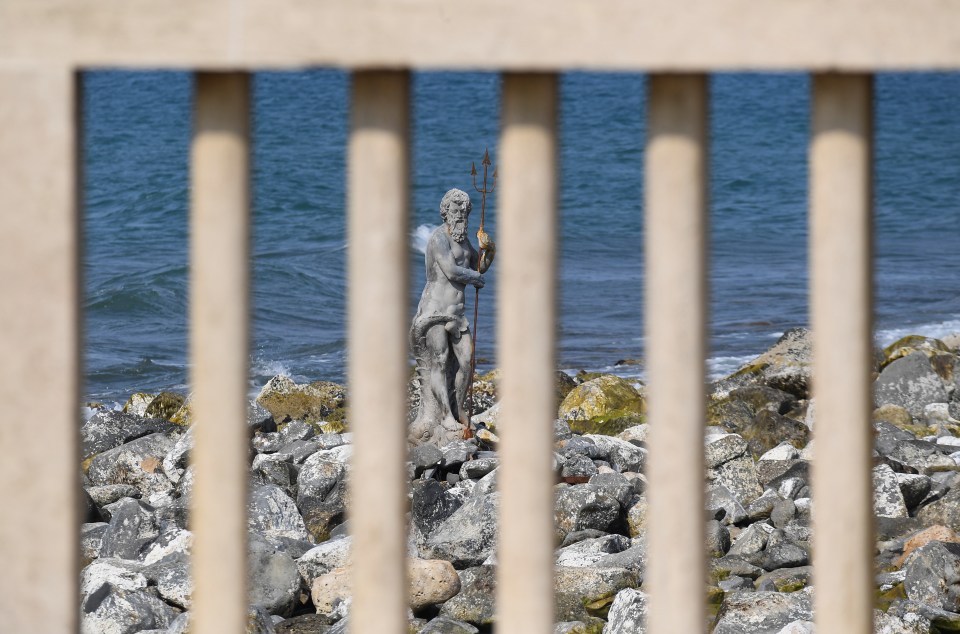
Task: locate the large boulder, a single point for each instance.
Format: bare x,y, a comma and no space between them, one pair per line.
762,612
583,507
272,577
606,405
475,601
910,382
628,614
728,464
786,366
133,526
324,558
171,576
137,463
582,593
933,576
110,610
322,494
274,516
320,403
109,428
469,536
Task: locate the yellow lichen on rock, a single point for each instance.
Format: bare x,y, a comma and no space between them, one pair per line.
607,405
320,401
165,405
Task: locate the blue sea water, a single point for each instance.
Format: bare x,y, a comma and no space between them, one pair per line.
136,131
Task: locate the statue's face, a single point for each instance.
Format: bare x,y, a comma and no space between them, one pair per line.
457,215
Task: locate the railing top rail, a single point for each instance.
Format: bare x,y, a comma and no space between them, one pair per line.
651,35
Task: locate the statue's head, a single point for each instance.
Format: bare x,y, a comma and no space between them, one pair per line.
455,210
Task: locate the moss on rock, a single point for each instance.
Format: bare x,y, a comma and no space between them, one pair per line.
312,403
606,405
165,405
912,343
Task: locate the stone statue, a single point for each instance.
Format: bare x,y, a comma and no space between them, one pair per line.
440,335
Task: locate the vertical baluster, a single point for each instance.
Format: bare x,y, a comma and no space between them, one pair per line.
676,295
527,273
219,336
378,366
841,317
40,360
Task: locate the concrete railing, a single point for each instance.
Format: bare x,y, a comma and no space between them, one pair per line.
44,44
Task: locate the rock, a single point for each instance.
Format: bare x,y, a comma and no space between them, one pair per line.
887,497
172,540
273,580
924,537
588,592
91,540
110,610
446,625
762,507
729,566
469,535
607,405
781,552
137,403
724,505
911,383
945,511
785,579
321,496
109,428
475,601
120,574
319,403
721,448
577,468
616,485
783,451
628,613
274,516
783,512
275,469
476,469
622,455
582,507
933,576
750,543
171,576
762,612
914,488
589,551
718,539
431,504
739,476
905,346
769,429
132,527
593,626
786,366
454,454
890,622
324,558
303,624
175,462
798,627
109,493
431,582
331,593
137,463
164,405
425,457
637,517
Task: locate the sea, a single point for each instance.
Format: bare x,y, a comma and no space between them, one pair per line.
136,136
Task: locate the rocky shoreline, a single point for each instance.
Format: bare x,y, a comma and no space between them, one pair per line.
135,541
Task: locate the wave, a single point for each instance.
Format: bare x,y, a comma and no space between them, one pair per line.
937,330
420,236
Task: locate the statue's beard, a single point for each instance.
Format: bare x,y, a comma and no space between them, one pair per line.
458,231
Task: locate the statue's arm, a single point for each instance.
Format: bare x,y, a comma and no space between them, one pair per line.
448,265
482,261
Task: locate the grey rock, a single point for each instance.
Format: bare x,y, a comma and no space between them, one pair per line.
446,625
266,443
431,504
273,579
751,541
628,614
171,540
321,494
454,454
730,565
721,448
785,579
581,445
132,527
933,576
110,610
762,507
425,457
578,466
171,576
782,452
576,589
739,476
615,485
784,554
324,558
110,493
900,619
721,501
476,469
175,462
259,419
762,612
887,497
475,601
633,559
770,470
735,583
91,539
910,382
119,574
109,428
590,551
783,512
276,469
469,535
622,455
300,450
786,366
945,511
914,488
718,539
582,507
274,516
304,624
137,463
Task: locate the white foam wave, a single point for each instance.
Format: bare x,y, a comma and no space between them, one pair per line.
263,367
937,330
719,367
420,236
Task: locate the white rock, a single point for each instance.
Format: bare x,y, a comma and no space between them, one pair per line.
120,573
798,627
321,559
783,451
887,497
628,613
170,541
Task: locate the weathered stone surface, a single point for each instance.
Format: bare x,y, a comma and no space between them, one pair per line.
172,539
933,576
304,624
274,516
475,601
739,476
718,539
323,558
769,429
589,551
137,463
320,401
762,612
175,462
924,537
628,613
110,493
887,498
109,428
914,488
722,503
476,469
469,535
121,574
582,507
785,579
321,495
622,455
171,576
607,405
910,382
786,366
272,578
783,512
908,622
721,448
132,526
91,539
431,582
783,451
945,511
588,592
431,504
798,627
331,593
110,610
446,625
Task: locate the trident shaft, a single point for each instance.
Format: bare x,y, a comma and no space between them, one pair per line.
476,302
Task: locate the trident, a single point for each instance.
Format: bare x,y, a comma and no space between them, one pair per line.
467,432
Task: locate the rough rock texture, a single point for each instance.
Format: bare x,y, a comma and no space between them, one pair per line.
628,613
933,576
605,405
588,592
110,610
469,535
583,507
786,366
273,578
321,496
137,463
315,403
475,601
762,612
911,383
109,428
